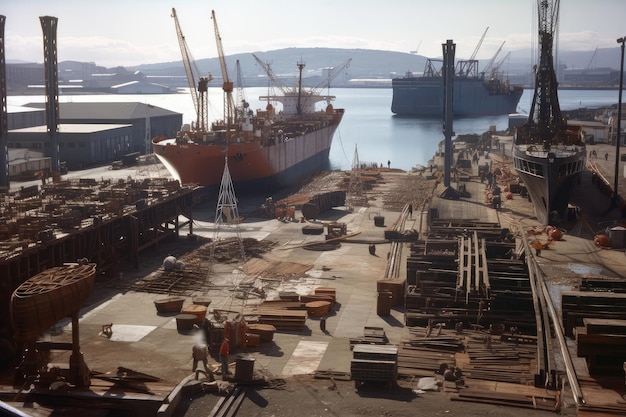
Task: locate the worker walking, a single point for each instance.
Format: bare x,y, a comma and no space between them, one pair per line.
200,352
224,351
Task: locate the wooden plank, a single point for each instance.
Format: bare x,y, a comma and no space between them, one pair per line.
604,326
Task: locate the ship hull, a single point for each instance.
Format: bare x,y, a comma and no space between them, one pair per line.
48,297
250,163
423,97
549,179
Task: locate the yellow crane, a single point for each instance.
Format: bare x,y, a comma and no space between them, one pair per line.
199,91
227,85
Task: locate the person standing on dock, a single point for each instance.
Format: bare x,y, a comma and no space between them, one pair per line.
224,351
200,352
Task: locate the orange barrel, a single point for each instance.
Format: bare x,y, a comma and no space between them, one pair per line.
199,311
185,322
317,308
244,368
383,304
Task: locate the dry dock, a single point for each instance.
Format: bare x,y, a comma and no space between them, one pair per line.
144,341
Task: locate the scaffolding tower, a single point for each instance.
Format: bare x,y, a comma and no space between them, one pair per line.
227,215
355,195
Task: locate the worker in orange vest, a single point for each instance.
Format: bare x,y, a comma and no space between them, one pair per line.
224,351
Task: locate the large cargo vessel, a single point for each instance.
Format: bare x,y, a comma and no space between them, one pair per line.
268,148
549,154
474,92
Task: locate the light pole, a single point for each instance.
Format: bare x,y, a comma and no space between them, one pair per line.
619,123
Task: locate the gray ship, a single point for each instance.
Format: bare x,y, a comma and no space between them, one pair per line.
549,154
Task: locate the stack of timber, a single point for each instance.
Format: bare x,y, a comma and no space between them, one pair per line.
577,305
372,336
327,292
602,342
604,284
532,400
283,315
469,278
378,363
424,352
504,358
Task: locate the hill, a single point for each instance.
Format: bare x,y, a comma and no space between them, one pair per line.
366,63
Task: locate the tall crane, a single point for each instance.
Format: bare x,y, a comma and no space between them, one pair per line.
332,74
489,67
227,85
271,75
241,96
593,57
496,67
199,92
470,66
544,109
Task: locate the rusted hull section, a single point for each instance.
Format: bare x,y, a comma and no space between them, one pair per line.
48,297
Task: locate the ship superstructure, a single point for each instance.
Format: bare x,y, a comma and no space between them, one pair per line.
549,154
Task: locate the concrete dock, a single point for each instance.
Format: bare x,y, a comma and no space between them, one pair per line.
150,343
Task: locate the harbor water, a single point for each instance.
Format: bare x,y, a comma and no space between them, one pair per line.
368,125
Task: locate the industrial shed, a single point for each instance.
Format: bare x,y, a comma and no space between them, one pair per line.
596,132
80,145
147,121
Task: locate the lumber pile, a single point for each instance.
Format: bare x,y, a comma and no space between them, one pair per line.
497,359
372,336
578,305
283,315
378,363
546,402
602,342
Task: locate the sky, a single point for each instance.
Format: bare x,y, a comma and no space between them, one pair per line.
134,32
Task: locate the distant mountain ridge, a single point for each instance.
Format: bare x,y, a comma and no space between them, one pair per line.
368,63
368,67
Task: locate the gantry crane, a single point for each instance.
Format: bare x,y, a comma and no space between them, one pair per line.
271,75
199,92
496,67
469,67
489,67
332,74
242,103
227,85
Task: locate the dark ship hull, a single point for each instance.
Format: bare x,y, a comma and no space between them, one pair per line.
423,96
549,154
549,177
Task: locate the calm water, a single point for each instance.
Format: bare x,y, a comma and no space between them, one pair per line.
368,125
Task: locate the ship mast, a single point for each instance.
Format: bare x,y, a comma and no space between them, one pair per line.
545,117
299,105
